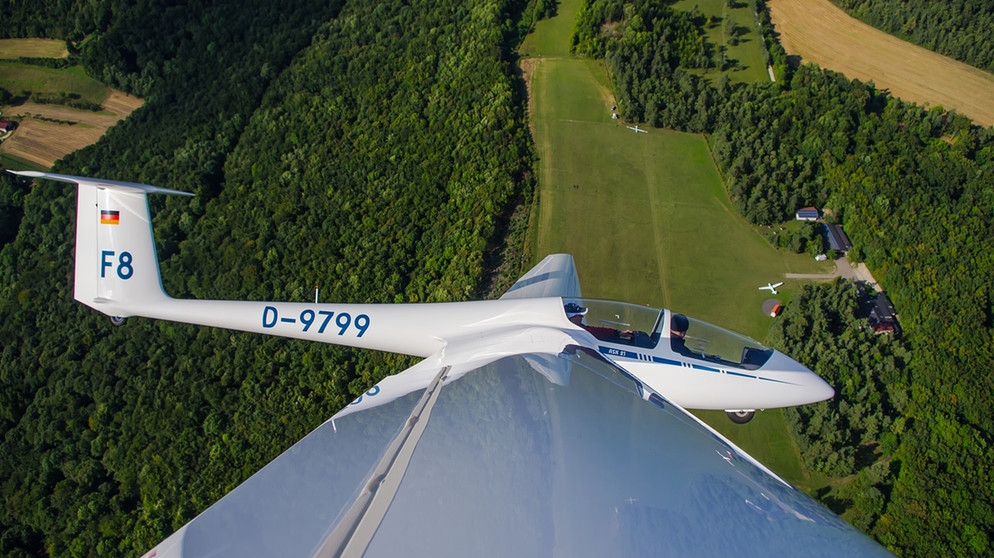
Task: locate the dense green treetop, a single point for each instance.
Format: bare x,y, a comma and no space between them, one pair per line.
371,149
854,435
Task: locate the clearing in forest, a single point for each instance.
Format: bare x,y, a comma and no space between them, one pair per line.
47,132
820,32
734,29
647,220
646,216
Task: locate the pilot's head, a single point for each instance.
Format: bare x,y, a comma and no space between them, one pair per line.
678,325
575,312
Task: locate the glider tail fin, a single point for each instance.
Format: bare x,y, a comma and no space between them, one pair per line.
117,270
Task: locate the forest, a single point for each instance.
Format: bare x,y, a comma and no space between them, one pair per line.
379,160
913,190
379,150
854,435
960,29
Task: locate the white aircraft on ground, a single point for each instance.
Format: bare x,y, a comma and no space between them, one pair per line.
772,287
637,130
518,434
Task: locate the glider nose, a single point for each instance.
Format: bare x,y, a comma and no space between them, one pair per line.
807,387
820,390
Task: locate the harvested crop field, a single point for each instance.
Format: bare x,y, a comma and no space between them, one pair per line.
820,32
49,132
32,48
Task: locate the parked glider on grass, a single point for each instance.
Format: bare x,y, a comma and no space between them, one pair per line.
520,433
772,287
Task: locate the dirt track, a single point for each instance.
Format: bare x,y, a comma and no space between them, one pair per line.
49,132
822,33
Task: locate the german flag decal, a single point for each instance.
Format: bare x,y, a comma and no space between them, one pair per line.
110,217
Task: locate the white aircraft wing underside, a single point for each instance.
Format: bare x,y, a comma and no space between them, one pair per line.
528,455
553,276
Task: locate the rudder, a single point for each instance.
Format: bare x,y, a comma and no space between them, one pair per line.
116,270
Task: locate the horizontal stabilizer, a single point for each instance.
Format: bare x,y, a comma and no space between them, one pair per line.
102,183
553,276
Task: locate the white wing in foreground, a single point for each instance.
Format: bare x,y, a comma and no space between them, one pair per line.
510,463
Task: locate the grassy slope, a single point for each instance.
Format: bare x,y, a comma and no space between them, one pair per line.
646,217
21,78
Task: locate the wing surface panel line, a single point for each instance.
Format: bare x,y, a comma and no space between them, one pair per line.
354,533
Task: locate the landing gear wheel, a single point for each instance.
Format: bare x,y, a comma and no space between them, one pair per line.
740,417
117,321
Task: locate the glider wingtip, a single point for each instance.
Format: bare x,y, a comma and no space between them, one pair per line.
28,173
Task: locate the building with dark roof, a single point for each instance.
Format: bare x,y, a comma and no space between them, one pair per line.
883,316
837,239
807,214
883,310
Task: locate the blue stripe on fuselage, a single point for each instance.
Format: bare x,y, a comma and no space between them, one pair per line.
635,355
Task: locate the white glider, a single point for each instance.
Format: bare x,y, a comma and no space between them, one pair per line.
772,287
528,429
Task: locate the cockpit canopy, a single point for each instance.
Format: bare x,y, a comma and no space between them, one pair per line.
644,326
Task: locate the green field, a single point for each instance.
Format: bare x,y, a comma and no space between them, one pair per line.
748,52
551,36
21,79
647,220
11,162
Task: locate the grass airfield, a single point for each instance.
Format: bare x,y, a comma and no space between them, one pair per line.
646,218
645,215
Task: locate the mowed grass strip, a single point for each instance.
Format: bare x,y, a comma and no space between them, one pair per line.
644,214
822,33
551,37
32,48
